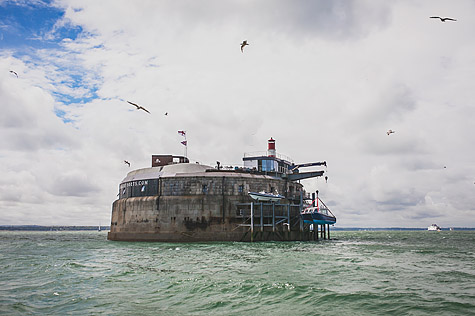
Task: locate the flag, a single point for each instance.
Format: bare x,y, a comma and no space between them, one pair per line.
182,133
184,142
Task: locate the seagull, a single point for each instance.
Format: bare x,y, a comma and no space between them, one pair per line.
390,132
166,113
442,19
127,163
139,107
14,73
244,43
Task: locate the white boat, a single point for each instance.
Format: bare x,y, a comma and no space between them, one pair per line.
433,227
264,196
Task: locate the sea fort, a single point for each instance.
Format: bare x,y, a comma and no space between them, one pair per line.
178,201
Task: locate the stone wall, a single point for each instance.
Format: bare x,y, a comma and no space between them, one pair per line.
190,209
226,185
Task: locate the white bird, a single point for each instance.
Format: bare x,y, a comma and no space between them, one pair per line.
244,43
390,132
442,19
139,107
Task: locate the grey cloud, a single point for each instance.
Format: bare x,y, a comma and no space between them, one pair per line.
328,19
388,103
382,145
416,164
399,201
334,20
418,215
72,184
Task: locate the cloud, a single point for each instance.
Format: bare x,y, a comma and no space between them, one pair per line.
73,183
326,79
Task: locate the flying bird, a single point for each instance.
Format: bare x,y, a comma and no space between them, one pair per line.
14,73
139,107
127,163
442,19
390,132
244,43
166,113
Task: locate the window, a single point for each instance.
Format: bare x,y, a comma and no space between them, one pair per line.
241,188
268,165
205,188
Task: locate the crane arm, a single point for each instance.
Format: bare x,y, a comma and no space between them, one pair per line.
310,164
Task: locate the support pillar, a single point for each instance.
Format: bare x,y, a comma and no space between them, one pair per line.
273,217
262,218
300,211
288,215
252,221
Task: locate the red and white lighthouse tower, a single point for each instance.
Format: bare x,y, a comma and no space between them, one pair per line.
271,148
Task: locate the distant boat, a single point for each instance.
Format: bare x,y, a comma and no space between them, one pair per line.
99,228
433,227
264,196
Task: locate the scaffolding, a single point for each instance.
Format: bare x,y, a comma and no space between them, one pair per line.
277,222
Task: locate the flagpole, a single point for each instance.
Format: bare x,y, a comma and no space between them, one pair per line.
184,143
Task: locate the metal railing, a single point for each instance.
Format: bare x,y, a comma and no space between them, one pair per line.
266,154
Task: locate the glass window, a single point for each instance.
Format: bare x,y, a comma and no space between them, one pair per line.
268,165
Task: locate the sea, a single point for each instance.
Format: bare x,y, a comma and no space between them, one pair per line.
354,273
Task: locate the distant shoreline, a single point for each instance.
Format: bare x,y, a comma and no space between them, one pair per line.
394,228
51,228
85,227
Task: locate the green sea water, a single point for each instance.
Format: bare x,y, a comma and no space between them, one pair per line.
355,273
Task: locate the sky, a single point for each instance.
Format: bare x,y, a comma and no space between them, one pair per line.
325,79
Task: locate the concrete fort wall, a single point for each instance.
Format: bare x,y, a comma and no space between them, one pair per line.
222,184
191,208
